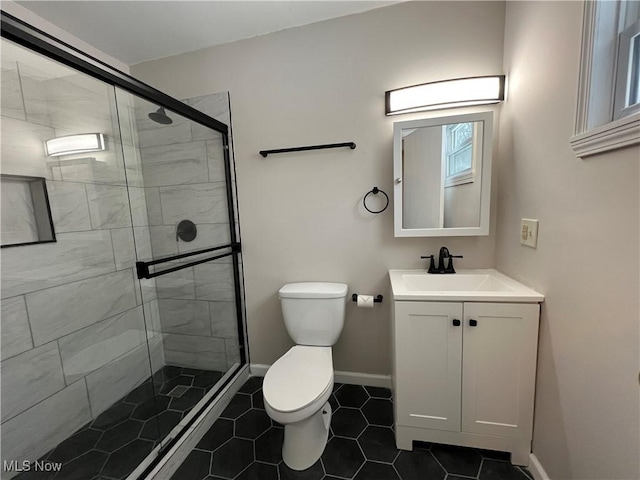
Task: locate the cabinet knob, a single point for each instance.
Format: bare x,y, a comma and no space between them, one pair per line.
473,323
456,322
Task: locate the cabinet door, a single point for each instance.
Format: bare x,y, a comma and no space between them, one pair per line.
428,350
499,364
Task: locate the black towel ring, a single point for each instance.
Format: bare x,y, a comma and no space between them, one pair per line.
375,191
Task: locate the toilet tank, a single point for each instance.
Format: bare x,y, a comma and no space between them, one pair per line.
313,312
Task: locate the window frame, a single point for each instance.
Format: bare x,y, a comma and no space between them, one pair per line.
623,65
612,134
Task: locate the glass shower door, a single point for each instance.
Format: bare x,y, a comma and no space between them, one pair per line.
75,342
186,253
122,320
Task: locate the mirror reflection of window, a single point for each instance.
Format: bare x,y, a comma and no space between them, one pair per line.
459,148
458,153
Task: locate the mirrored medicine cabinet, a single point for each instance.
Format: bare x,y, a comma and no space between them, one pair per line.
442,172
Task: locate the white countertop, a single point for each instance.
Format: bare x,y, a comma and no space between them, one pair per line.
486,285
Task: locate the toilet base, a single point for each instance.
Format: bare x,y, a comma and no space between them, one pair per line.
304,441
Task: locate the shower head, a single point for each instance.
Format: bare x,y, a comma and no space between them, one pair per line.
159,116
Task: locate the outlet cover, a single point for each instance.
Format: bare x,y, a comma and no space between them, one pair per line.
529,232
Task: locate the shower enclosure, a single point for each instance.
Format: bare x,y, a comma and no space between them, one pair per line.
121,286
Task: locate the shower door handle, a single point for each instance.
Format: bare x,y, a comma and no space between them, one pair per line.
142,268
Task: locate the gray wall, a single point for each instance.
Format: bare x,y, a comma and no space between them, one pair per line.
302,215
73,331
422,178
461,205
587,262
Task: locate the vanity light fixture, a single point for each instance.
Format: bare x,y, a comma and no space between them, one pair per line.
459,92
70,144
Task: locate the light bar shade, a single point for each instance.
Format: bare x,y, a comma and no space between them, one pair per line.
460,92
85,142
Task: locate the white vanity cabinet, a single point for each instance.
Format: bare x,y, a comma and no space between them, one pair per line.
464,374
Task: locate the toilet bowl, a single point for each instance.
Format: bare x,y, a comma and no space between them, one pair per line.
296,391
298,385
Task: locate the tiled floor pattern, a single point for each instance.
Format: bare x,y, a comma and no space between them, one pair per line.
245,444
112,445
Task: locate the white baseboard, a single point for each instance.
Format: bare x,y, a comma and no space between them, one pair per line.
366,379
258,370
535,467
351,378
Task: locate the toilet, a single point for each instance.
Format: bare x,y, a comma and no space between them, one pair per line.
298,385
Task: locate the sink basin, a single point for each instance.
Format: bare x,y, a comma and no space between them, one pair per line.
460,282
466,285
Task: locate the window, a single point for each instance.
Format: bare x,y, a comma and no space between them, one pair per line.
459,148
627,89
458,153
608,115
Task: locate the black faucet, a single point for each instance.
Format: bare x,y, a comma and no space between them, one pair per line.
444,254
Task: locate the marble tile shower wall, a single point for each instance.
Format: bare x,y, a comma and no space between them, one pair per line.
183,169
73,330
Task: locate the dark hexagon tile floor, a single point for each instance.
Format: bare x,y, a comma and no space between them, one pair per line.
244,444
114,443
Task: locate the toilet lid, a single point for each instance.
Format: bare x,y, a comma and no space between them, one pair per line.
298,378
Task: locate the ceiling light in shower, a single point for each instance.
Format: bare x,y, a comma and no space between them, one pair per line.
70,144
160,116
460,92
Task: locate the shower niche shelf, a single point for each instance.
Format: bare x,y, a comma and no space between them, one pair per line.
26,213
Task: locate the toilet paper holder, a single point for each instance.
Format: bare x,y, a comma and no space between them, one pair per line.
376,299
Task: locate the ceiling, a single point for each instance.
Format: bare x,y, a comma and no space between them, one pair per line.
137,31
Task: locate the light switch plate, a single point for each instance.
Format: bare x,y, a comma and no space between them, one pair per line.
529,232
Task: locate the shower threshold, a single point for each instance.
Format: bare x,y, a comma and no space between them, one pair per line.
113,444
